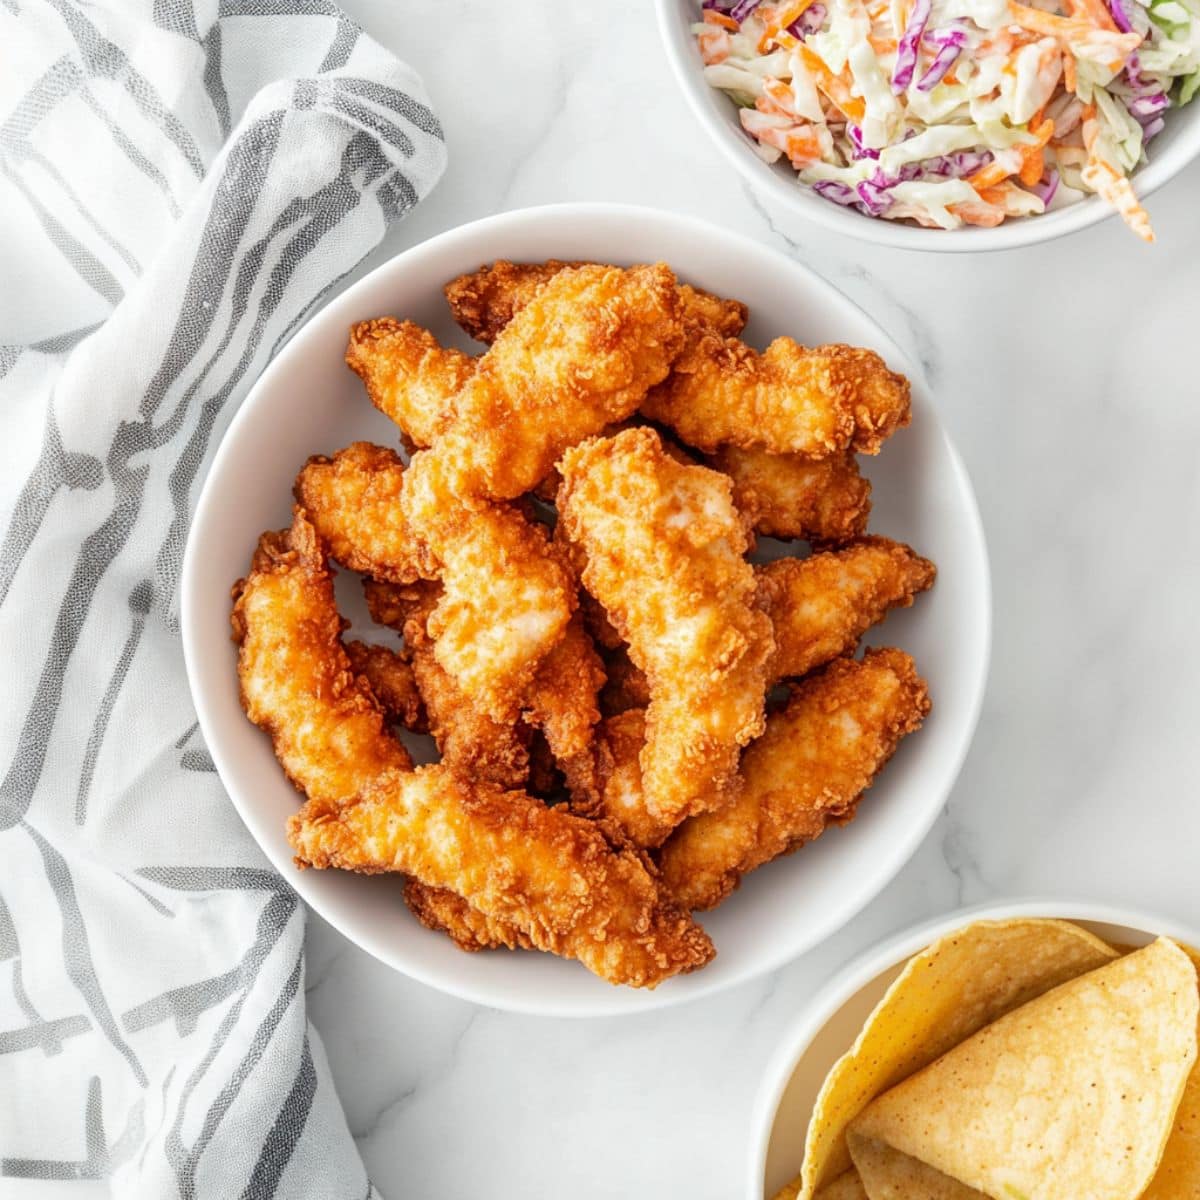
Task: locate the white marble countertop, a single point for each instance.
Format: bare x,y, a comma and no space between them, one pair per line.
1076,408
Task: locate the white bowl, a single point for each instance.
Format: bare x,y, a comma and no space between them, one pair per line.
308,402
833,1019
1169,153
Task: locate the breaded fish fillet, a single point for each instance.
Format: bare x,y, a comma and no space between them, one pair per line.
789,399
353,500
786,496
549,874
392,682
408,375
484,301
820,606
471,742
663,546
810,769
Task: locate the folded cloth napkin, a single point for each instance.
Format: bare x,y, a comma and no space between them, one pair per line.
181,181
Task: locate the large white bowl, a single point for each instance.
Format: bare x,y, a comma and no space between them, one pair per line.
831,1021
308,402
1169,153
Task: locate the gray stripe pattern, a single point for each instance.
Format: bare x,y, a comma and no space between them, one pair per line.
173,259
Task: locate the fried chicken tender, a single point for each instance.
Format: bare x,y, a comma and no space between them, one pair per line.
296,680
785,496
408,375
789,399
353,500
392,683
663,546
578,357
809,770
484,301
820,606
551,875
447,912
472,744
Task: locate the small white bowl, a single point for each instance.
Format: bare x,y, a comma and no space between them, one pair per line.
833,1019
1169,153
308,402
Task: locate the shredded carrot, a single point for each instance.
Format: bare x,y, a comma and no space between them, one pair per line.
714,46
971,213
776,98
1031,158
1106,181
777,21
724,20
833,86
883,45
1070,79
1048,25
1094,11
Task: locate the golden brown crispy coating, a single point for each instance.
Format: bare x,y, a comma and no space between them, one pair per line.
785,496
392,683
789,399
353,500
579,356
471,742
820,606
296,680
626,687
621,798
664,547
447,912
484,301
810,769
548,873
409,376
562,703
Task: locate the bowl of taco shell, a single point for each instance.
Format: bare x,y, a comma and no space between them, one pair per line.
1018,1053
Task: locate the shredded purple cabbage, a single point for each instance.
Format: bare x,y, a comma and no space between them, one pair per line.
742,9
1046,187
1147,106
1153,129
873,198
809,21
722,6
950,42
839,193
959,164
910,44
856,140
1120,15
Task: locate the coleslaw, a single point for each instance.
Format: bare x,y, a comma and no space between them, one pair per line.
956,112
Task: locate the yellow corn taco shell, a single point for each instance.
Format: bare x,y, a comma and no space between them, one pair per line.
886,1174
1073,1095
945,994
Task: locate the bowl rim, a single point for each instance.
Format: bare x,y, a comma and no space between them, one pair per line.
1011,235
640,1000
893,949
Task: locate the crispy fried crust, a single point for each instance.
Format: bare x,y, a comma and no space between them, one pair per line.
471,742
789,399
547,873
392,683
785,496
296,681
483,302
578,357
820,606
408,375
663,546
808,770
353,501
553,876
447,912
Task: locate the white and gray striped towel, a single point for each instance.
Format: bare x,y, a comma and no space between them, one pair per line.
180,182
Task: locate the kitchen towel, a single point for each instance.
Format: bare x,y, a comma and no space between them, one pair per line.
180,184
